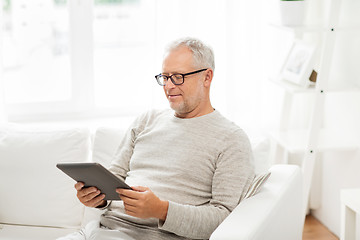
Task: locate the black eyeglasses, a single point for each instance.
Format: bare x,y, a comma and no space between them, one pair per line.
176,79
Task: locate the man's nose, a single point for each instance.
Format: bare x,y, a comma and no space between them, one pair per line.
169,84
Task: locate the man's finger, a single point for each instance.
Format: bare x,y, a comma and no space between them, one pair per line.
91,196
79,186
128,193
129,201
140,188
98,200
130,208
87,191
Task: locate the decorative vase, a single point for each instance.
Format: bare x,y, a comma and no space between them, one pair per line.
292,13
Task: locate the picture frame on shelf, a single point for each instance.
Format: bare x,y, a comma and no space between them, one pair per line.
299,64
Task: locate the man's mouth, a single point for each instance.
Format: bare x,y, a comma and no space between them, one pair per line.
172,96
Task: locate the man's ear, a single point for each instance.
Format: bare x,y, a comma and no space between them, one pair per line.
208,77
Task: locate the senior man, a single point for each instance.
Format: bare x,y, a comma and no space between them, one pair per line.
189,167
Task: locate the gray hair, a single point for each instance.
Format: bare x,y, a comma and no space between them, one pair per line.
203,55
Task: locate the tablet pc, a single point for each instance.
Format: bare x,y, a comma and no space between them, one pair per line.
94,175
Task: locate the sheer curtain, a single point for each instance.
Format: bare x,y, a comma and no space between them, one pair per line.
3,116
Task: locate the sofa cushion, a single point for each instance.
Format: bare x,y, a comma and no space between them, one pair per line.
17,232
106,142
37,193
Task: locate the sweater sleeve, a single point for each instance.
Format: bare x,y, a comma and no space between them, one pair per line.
231,180
120,163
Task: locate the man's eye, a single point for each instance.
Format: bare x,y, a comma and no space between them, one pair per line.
178,77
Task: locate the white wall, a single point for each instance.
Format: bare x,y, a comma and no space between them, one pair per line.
339,170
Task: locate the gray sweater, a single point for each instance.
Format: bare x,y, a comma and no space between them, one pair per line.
202,166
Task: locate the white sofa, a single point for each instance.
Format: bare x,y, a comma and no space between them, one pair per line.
38,201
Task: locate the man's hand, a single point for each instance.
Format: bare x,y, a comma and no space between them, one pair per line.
141,202
90,197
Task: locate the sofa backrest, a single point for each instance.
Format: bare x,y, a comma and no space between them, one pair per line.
33,191
106,142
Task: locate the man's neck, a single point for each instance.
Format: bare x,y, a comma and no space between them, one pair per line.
195,113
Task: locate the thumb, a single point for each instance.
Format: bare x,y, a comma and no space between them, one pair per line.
140,188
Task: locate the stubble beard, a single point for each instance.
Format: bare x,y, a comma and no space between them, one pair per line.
187,105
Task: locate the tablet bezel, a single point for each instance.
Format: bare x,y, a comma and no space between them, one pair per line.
94,175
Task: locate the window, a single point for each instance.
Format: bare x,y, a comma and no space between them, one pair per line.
83,58
35,51
64,57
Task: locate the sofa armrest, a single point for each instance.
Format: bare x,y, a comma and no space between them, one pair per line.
273,213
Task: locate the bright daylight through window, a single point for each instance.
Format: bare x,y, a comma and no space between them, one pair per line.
65,59
63,56
35,51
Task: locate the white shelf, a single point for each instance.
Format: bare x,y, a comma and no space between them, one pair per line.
295,141
291,87
340,86
303,29
336,87
339,138
346,28
317,28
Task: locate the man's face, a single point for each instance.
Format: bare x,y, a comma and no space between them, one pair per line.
190,96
